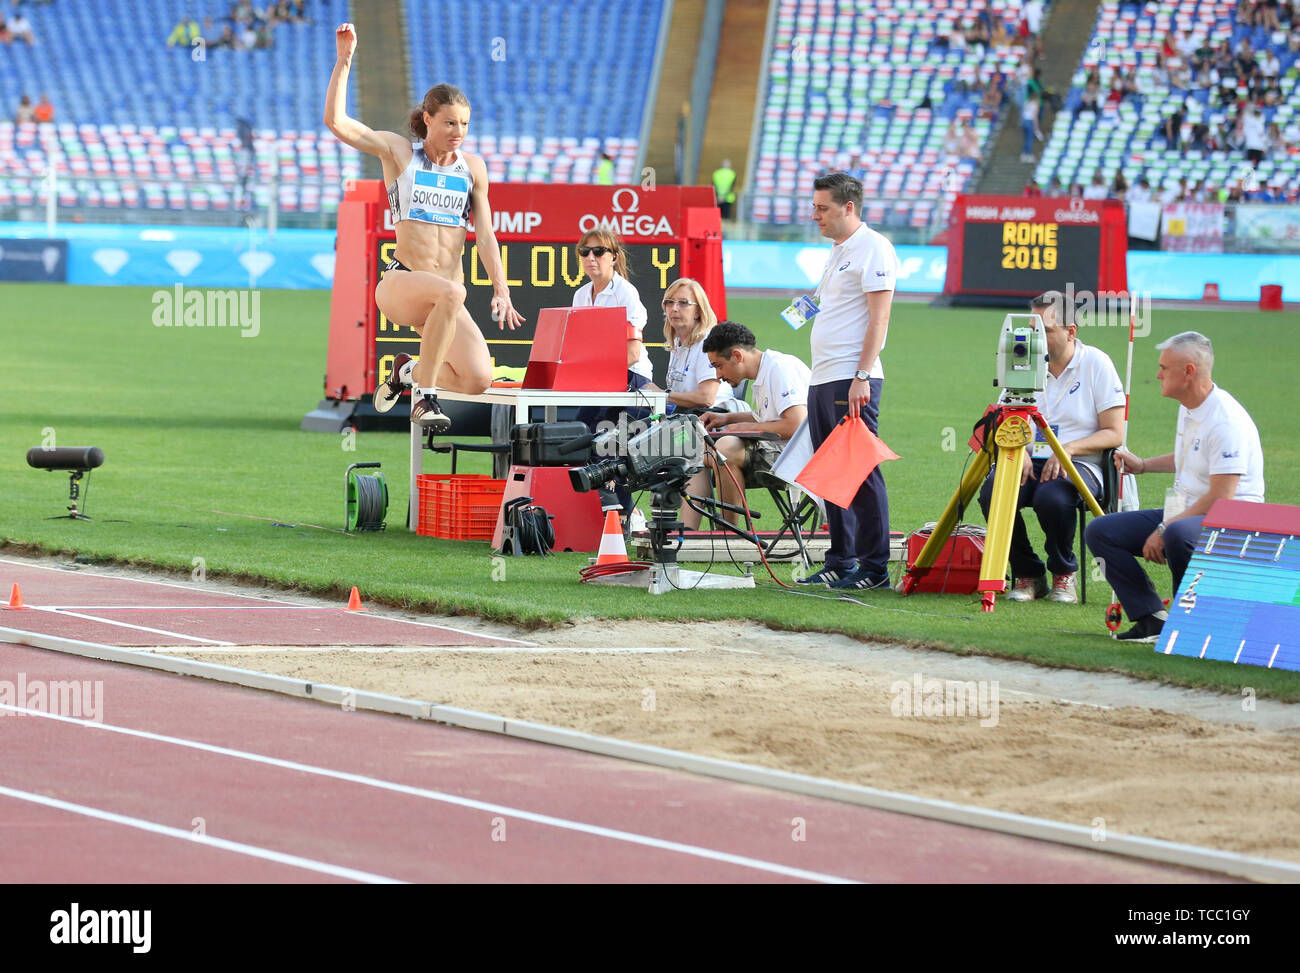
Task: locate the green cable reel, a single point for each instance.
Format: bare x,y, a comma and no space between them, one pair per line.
365,499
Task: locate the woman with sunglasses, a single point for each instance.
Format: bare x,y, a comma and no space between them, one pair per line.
692,381
434,189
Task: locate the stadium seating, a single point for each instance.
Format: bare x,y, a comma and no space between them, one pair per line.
547,116
874,92
132,114
1130,138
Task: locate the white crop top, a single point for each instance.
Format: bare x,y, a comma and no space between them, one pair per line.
431,193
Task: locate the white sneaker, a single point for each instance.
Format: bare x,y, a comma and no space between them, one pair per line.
1063,589
1028,589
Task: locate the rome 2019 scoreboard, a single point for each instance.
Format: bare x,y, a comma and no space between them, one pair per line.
1013,246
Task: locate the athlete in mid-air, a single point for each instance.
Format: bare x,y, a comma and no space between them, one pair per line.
434,190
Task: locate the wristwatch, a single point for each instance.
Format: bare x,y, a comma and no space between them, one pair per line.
1160,528
862,375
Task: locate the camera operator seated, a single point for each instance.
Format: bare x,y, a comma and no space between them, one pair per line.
780,394
1083,402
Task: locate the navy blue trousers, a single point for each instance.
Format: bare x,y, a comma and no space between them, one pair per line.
1116,540
1057,504
859,534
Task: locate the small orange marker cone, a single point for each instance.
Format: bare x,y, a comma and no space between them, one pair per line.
354,601
16,597
612,549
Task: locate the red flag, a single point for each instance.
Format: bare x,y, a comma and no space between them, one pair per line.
844,461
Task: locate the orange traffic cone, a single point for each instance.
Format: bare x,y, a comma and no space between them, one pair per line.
16,597
354,601
612,549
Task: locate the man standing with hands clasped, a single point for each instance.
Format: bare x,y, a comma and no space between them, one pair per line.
850,316
1217,454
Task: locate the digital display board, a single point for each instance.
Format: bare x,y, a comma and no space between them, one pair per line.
539,275
1016,246
1028,257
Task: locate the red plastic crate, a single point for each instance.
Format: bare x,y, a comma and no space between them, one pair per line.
459,507
957,568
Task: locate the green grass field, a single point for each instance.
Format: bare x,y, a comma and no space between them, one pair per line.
206,468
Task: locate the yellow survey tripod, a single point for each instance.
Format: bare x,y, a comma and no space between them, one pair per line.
1006,432
1005,448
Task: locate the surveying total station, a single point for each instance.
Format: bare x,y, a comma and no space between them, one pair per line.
1007,430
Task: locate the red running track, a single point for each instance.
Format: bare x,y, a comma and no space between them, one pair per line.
363,796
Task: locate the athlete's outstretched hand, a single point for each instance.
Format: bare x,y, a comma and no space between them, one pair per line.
345,39
503,312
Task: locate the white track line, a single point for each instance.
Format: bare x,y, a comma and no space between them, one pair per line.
397,649
137,628
439,796
112,577
253,851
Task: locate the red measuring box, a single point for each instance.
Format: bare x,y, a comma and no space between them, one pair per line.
956,571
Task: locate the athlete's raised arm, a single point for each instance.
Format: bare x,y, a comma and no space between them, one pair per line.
385,145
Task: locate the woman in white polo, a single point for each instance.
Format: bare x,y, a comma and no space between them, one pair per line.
692,382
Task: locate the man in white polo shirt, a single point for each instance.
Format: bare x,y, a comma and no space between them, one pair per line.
848,334
1217,454
1083,401
780,394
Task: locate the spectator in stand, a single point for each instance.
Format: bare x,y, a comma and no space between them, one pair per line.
1252,130
1097,188
1174,129
24,114
1247,66
1076,190
1091,92
1032,11
969,141
1266,15
185,31
1179,76
44,111
952,139
1116,93
1186,46
227,39
6,38
1168,49
1246,11
1029,127
1270,68
1119,188
1054,187
248,37
1032,190
21,27
1201,138
1141,191
1277,147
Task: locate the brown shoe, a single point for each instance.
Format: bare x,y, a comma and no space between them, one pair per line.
427,415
